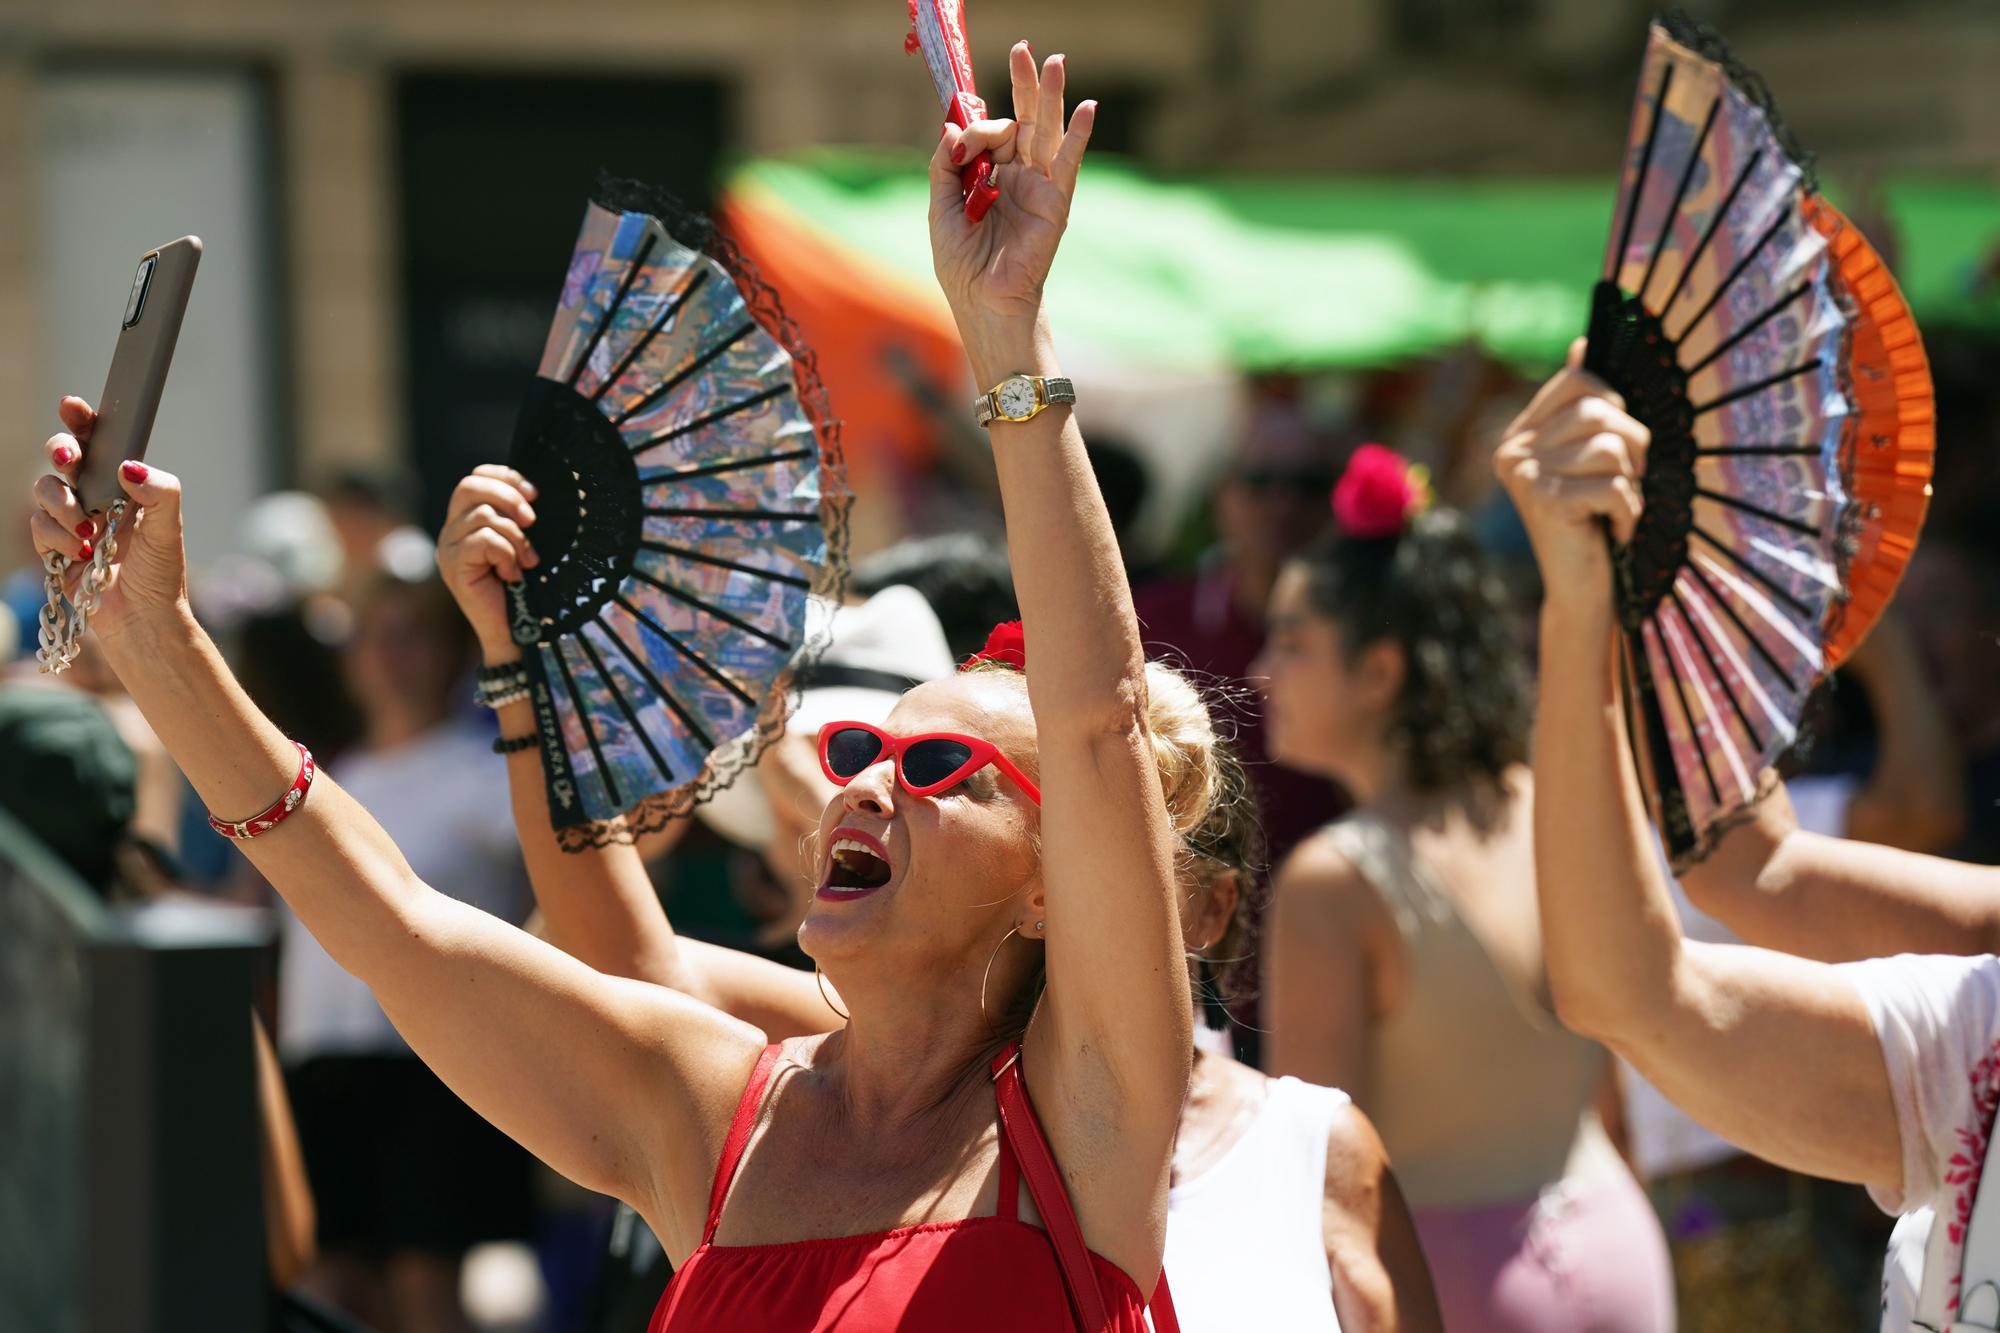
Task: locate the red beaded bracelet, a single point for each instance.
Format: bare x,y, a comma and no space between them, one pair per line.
294,797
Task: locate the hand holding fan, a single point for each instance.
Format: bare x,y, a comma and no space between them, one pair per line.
678,440
1752,331
938,30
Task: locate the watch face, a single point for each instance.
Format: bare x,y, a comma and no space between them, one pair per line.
1017,399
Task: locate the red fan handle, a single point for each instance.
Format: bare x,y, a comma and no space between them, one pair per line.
977,178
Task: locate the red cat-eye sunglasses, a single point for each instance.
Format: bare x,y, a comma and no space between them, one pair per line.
925,765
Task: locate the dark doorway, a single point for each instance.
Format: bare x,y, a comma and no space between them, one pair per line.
495,172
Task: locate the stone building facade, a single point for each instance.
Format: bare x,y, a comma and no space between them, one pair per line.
1369,86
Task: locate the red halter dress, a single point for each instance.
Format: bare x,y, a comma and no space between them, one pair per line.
993,1274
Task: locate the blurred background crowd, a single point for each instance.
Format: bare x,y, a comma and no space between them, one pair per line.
1313,223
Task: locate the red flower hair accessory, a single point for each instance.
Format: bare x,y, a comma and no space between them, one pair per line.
1007,645
1379,493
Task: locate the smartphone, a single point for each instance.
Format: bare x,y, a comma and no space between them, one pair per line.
131,396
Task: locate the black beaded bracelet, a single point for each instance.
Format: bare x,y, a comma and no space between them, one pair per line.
505,671
515,744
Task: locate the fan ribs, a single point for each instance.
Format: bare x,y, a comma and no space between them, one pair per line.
646,672
639,258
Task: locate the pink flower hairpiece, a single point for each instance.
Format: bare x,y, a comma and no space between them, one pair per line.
1379,493
1007,645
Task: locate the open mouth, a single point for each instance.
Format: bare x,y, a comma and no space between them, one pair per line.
856,865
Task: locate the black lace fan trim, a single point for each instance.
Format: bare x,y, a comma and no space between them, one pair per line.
1707,43
1711,837
696,230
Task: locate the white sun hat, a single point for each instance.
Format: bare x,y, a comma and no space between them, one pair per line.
878,649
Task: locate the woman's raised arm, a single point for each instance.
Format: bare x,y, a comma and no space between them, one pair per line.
1114,1038
1838,899
598,906
1774,1053
623,1087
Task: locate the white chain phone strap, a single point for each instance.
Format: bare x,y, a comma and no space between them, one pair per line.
63,622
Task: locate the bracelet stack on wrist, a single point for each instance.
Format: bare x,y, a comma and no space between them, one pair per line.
501,685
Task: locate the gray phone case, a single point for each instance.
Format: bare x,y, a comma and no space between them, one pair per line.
145,351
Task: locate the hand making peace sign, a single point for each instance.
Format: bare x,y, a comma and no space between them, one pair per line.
992,271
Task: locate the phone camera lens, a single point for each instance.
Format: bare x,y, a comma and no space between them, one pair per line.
135,304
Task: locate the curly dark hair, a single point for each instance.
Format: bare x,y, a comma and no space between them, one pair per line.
1463,713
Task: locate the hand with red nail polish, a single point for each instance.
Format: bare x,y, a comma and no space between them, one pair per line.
148,581
993,271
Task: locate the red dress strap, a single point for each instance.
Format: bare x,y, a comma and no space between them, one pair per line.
739,1137
1010,1181
1162,1306
1022,1131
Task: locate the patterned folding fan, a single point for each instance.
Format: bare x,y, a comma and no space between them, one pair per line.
1762,343
688,503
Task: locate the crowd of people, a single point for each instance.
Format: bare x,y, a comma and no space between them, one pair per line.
1283,945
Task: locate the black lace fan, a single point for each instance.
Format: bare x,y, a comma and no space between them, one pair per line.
689,502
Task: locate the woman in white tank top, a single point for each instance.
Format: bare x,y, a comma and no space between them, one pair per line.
1255,1223
1283,1213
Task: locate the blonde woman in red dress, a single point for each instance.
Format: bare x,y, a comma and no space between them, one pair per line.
860,1180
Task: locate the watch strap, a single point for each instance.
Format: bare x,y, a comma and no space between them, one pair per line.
1051,391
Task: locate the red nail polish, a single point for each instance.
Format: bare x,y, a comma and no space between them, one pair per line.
958,154
134,470
86,552
86,530
65,456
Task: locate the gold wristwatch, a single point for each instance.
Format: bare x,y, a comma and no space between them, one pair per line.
1020,397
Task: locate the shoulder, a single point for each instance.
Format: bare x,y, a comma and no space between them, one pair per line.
703,1067
1356,1162
1321,864
1937,1020
1322,879
1929,1000
1341,1134
1316,1112
1349,1147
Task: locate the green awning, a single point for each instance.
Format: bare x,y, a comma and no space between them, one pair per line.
1265,274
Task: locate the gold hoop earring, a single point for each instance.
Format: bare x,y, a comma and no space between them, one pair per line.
988,975
820,977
